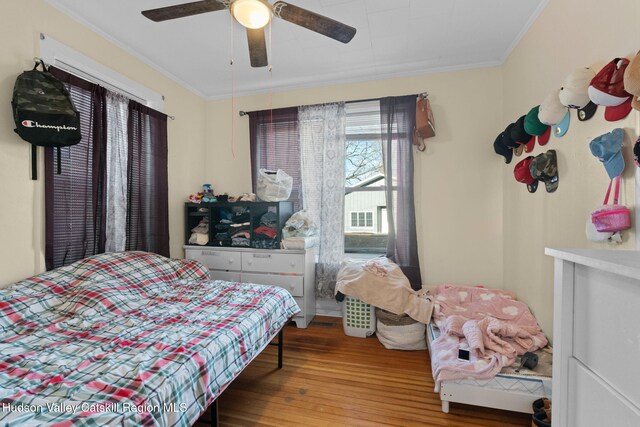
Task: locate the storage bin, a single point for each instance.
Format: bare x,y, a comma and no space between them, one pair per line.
358,318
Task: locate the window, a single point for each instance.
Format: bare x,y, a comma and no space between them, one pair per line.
84,214
362,219
364,180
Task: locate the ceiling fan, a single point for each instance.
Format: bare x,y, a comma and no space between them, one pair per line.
254,15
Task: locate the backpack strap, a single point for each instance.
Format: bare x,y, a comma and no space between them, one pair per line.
34,162
38,62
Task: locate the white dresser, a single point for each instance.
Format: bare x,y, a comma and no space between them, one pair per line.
596,338
293,270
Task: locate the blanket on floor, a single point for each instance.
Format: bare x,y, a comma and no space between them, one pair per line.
490,323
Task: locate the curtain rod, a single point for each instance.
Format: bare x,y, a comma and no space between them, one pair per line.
424,95
93,79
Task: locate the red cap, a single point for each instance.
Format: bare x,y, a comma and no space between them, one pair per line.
619,112
610,80
544,138
522,173
528,146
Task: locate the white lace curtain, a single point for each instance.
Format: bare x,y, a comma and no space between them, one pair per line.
117,156
322,141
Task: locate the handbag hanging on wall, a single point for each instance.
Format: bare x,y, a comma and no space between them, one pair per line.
425,125
613,217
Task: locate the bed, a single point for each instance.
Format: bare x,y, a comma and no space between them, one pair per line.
505,386
128,339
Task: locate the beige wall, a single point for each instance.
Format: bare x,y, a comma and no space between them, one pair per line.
458,178
567,35
22,200
476,225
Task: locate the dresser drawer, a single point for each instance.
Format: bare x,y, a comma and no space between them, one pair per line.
273,263
593,402
600,326
229,276
215,259
294,284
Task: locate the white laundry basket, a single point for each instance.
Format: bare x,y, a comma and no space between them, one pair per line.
358,318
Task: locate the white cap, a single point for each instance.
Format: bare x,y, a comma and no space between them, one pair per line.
574,92
551,110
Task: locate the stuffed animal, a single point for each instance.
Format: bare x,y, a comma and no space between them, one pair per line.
195,198
207,194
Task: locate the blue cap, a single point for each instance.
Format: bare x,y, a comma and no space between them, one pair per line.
608,149
559,129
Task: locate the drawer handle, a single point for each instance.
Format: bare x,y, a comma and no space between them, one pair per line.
210,253
262,255
230,261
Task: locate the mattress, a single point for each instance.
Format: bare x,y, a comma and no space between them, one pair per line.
535,382
122,340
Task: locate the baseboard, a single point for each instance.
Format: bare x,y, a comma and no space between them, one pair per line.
328,307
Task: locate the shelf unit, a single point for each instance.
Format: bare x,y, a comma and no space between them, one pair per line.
195,212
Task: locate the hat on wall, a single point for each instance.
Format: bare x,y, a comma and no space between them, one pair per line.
522,173
533,126
632,81
544,167
551,111
502,149
560,128
607,89
554,114
509,142
519,134
574,93
608,149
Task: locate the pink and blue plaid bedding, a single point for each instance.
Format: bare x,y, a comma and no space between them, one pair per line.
129,339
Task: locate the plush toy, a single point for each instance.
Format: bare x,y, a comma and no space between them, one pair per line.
207,194
196,198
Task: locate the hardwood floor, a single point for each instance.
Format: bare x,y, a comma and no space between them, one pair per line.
330,379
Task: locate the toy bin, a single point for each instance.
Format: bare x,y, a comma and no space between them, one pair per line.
358,318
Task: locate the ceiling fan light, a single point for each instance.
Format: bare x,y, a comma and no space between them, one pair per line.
251,13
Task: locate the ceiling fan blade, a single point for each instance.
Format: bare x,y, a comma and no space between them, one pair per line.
185,9
314,22
257,47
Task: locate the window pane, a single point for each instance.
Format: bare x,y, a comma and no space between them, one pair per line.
364,180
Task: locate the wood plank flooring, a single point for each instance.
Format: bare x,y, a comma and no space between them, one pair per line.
330,379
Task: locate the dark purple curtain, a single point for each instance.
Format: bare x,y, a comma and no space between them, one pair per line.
75,198
275,144
398,117
147,183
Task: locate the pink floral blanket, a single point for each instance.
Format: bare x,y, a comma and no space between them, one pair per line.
490,323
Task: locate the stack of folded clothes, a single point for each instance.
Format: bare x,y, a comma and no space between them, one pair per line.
239,228
233,227
222,236
265,234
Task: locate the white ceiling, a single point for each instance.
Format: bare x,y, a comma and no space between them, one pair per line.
394,38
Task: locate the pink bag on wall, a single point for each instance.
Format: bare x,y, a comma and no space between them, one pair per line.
613,217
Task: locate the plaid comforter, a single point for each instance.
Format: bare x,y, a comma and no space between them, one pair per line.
128,339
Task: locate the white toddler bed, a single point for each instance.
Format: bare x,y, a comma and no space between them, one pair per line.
508,390
496,327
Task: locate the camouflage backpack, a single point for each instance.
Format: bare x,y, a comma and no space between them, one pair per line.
44,113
